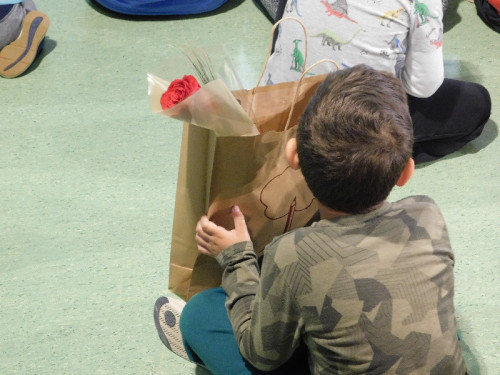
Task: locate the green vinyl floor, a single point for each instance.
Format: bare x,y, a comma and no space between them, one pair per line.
88,177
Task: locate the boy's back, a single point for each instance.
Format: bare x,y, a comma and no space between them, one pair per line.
370,294
369,288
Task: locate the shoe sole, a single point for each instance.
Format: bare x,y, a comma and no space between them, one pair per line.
17,56
167,314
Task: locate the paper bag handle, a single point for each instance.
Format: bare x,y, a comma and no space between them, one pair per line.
271,43
300,82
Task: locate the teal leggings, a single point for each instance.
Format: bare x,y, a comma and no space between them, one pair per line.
209,339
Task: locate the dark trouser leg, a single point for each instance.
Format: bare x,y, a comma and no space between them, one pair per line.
208,338
208,335
449,119
5,9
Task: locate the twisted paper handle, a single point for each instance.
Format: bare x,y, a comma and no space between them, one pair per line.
300,83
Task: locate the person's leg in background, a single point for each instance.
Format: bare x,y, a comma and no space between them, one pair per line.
5,9
10,22
452,117
22,30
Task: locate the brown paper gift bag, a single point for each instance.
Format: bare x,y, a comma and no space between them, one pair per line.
216,173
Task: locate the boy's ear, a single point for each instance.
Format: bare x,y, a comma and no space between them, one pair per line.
407,173
291,155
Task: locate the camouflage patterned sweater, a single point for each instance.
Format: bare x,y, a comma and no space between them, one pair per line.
368,294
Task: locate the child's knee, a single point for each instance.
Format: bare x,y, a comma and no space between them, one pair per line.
202,310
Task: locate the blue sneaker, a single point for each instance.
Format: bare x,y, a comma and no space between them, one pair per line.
17,56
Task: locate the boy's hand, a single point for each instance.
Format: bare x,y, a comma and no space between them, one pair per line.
212,239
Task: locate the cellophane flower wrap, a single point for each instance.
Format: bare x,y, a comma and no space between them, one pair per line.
209,105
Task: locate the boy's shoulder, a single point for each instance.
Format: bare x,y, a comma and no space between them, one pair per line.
418,199
413,211
417,205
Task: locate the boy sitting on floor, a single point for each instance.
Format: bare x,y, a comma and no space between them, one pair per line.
368,289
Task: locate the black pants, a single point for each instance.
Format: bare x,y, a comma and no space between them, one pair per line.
5,9
446,121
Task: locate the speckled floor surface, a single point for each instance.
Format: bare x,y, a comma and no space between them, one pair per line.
88,177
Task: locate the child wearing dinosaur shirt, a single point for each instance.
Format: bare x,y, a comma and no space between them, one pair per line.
403,37
368,289
353,32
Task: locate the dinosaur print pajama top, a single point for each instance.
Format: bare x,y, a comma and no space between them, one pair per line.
404,37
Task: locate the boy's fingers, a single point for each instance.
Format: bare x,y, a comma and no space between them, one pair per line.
203,223
202,234
207,226
201,241
204,228
204,246
239,220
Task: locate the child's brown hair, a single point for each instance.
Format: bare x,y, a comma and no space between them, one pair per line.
355,138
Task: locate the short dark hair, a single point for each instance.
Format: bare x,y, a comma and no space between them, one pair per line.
354,138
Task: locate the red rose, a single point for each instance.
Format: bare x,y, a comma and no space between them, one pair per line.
179,90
